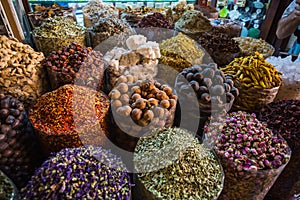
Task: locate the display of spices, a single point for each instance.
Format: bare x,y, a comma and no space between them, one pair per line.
70,116
139,107
252,157
257,80
21,71
250,45
140,60
230,27
96,9
155,20
80,173
283,118
220,46
41,13
174,13
112,31
18,144
8,190
172,164
75,64
193,21
56,33
180,52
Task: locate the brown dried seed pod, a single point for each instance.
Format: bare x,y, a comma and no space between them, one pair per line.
165,104
136,89
124,98
116,103
143,122
144,94
154,91
124,110
153,101
135,97
130,78
136,114
122,87
148,115
150,96
114,94
140,103
159,112
168,90
121,79
161,95
172,102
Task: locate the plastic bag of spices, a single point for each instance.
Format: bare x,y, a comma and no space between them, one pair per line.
252,157
19,150
75,64
22,74
172,164
71,116
56,33
137,108
8,190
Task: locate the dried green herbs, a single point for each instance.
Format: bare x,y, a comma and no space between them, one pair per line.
172,164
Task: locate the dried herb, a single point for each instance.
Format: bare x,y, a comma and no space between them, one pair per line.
172,164
80,173
18,144
155,20
70,117
75,64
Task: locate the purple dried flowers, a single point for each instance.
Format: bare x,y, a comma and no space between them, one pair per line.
247,145
80,173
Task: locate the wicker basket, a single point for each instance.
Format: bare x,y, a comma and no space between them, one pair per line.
251,99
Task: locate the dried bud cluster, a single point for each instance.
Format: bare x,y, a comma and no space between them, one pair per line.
75,64
80,173
155,20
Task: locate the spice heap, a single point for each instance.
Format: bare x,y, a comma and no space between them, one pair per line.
75,64
251,155
22,75
250,45
110,29
172,164
230,27
18,145
70,117
7,188
56,33
96,9
139,107
139,60
41,13
257,80
174,13
155,20
283,118
180,52
221,47
80,173
214,90
193,21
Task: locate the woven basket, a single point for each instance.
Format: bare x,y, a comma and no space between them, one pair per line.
252,100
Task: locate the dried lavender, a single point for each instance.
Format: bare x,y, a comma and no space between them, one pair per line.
80,173
251,156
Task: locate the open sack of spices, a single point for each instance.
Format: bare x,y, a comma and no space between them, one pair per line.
139,60
172,164
21,71
251,155
155,26
19,150
56,33
80,173
290,70
257,80
220,46
283,118
139,107
214,92
96,9
41,13
69,117
192,23
8,190
109,32
75,64
178,53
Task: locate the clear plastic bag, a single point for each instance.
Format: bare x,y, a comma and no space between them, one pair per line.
8,190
